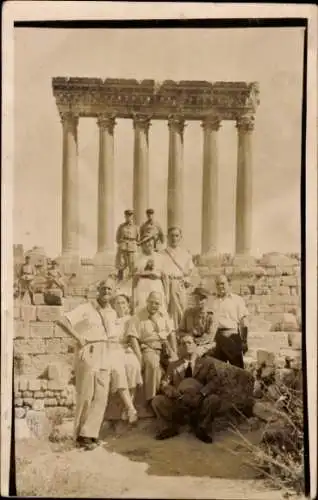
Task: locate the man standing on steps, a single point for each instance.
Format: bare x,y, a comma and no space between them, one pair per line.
230,317
127,237
152,227
178,266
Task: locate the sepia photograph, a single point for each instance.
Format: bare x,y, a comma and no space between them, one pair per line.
157,279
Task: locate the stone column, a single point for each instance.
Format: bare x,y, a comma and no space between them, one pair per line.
175,171
70,209
141,124
210,186
245,126
105,230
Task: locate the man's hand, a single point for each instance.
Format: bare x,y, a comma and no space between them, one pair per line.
171,392
192,399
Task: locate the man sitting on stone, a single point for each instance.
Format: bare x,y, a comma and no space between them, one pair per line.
198,321
196,389
55,277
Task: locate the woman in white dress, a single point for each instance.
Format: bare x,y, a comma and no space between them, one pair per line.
131,362
148,274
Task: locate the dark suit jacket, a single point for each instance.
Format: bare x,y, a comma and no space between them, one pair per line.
232,384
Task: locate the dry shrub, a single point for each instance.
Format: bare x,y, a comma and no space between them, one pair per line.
279,457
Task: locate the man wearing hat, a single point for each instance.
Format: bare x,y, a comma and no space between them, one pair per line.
198,322
92,325
56,277
151,226
127,237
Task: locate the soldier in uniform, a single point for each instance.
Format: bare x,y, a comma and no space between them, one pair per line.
153,227
127,238
55,277
198,322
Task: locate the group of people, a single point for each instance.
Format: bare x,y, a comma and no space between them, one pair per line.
29,273
150,338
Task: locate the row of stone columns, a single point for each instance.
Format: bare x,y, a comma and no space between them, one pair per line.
141,124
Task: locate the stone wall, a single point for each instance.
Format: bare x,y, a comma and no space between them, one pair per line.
43,361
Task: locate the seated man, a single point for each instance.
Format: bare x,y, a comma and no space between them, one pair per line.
198,321
56,278
196,389
151,336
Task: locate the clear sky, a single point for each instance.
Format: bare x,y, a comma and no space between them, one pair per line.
273,57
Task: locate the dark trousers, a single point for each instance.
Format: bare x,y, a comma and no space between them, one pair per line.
173,413
228,347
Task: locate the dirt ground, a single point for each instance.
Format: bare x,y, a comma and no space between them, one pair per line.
131,464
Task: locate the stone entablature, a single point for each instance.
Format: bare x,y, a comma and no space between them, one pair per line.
123,98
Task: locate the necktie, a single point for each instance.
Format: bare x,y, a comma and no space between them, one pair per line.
188,371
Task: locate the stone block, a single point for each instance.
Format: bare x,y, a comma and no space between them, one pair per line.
49,394
43,329
19,412
18,402
40,362
58,413
17,311
28,313
27,394
264,410
243,261
34,384
21,329
50,402
38,423
23,383
49,313
60,332
29,346
55,385
55,346
289,323
43,384
273,392
38,405
266,357
38,299
283,290
289,281
28,402
39,395
17,394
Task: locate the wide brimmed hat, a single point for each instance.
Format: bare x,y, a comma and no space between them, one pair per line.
200,291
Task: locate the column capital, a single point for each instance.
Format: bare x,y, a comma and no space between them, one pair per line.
212,122
106,122
245,123
141,121
69,118
176,123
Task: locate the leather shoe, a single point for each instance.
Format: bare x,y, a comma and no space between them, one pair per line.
166,434
86,443
203,436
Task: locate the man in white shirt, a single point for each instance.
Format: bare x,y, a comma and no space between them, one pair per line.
92,324
230,318
178,267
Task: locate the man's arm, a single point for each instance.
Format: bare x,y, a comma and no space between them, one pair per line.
66,325
133,338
